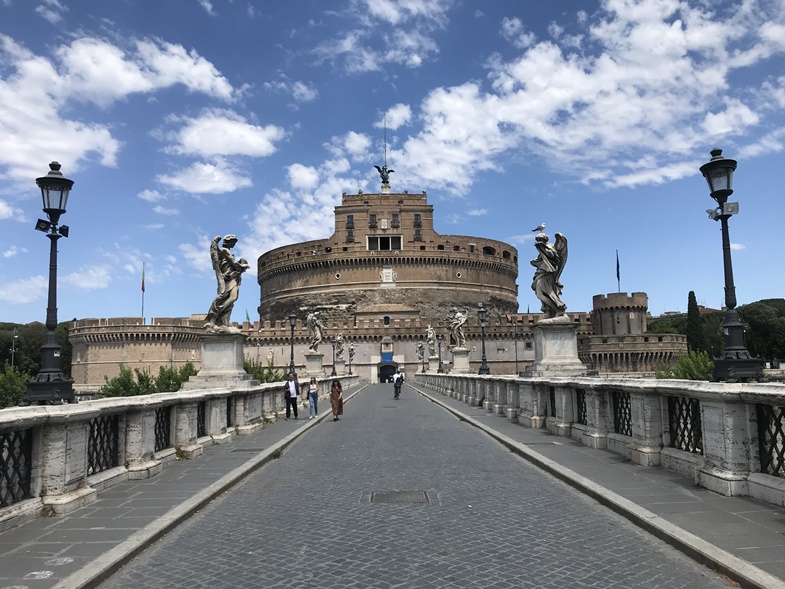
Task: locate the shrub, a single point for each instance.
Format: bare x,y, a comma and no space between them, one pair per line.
694,365
13,383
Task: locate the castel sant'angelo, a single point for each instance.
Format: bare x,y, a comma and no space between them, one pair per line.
378,282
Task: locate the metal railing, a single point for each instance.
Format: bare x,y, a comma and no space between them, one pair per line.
201,419
16,451
622,413
102,445
684,417
580,407
771,438
163,428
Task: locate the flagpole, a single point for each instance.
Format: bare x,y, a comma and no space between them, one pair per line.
142,293
618,274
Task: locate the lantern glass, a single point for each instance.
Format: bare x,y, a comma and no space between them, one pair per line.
293,320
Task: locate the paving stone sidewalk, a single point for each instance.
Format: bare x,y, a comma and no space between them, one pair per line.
73,550
127,517
706,525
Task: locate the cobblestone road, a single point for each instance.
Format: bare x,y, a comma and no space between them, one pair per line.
493,521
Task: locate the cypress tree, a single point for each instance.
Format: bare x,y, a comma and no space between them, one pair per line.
695,337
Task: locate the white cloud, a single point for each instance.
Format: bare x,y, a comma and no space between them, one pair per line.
388,31
356,144
396,116
225,133
36,92
89,277
302,177
7,211
13,251
165,211
151,195
196,254
208,7
206,178
513,30
657,69
737,246
23,290
300,91
477,212
50,10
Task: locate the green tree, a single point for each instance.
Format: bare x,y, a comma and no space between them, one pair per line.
765,333
263,372
694,365
130,383
695,337
662,326
13,383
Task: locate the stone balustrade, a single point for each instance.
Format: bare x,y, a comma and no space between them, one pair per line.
730,438
56,458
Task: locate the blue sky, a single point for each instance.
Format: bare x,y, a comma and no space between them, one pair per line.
180,120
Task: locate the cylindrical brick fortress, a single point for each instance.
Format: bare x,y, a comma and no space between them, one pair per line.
385,253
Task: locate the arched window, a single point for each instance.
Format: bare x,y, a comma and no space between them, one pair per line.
386,320
489,251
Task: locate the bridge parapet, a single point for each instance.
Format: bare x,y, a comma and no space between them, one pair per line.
54,459
730,438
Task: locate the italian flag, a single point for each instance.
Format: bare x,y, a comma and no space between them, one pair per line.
142,276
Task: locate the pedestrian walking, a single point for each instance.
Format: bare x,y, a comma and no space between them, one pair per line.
313,398
336,399
292,395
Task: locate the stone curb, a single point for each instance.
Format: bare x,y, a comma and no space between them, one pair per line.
101,568
740,571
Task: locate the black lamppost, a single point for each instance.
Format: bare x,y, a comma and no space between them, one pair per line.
292,323
351,357
50,385
14,348
734,362
482,314
439,339
424,347
515,342
332,341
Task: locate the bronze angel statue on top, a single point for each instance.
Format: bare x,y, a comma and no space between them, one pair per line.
549,265
384,173
228,272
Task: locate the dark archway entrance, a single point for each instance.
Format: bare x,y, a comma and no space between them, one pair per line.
385,371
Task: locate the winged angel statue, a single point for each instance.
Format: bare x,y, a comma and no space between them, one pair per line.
229,273
549,266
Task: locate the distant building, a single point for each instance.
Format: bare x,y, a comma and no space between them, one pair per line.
620,343
380,279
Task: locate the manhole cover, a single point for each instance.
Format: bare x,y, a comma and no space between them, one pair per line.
399,497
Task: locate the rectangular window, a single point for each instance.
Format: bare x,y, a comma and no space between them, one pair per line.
349,221
417,220
395,222
417,235
372,220
384,242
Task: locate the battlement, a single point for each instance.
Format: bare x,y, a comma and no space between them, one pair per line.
620,300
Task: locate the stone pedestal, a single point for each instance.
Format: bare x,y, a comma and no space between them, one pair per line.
313,364
340,367
433,364
222,363
460,361
556,349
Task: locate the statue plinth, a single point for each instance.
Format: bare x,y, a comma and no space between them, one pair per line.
460,361
222,363
556,349
313,363
433,363
340,367
385,189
